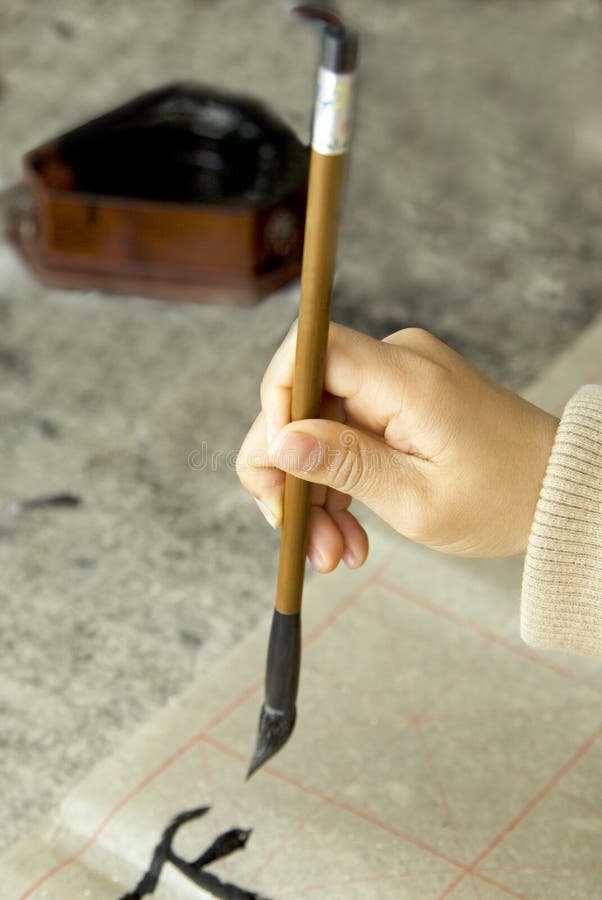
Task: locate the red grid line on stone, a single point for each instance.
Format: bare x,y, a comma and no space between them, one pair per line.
530,806
515,713
288,836
538,660
137,789
366,879
578,801
428,758
376,878
207,775
489,635
340,804
415,720
332,800
546,867
504,888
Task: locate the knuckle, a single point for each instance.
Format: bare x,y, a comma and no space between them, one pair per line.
395,337
415,333
420,338
350,473
413,338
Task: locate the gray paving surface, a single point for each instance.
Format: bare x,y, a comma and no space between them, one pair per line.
474,209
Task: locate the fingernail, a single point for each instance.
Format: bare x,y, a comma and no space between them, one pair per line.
315,558
267,513
350,560
294,451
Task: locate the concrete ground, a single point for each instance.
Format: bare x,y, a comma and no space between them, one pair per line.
473,209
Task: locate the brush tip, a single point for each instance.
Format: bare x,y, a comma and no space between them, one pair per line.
275,728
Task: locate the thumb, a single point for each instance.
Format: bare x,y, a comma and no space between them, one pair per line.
339,457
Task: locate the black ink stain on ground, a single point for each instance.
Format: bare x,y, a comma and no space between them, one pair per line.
63,29
190,638
223,845
13,362
49,500
48,428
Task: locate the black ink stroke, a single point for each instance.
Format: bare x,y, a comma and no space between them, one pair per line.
226,843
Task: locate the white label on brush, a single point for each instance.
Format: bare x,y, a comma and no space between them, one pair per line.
332,116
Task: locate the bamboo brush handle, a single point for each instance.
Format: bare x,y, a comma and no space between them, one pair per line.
319,254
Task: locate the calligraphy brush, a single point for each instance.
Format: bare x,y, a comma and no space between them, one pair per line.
329,144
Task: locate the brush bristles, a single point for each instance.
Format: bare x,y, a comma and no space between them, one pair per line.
275,728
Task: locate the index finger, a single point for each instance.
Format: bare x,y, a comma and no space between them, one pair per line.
358,369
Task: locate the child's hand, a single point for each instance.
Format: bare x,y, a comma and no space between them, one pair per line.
446,456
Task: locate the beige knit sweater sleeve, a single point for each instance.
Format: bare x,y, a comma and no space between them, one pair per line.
562,580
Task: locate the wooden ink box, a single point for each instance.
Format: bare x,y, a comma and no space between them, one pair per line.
183,193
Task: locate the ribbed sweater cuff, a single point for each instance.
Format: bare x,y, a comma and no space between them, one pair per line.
561,605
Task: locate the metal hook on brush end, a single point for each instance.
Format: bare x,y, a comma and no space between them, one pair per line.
339,49
318,13
339,41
